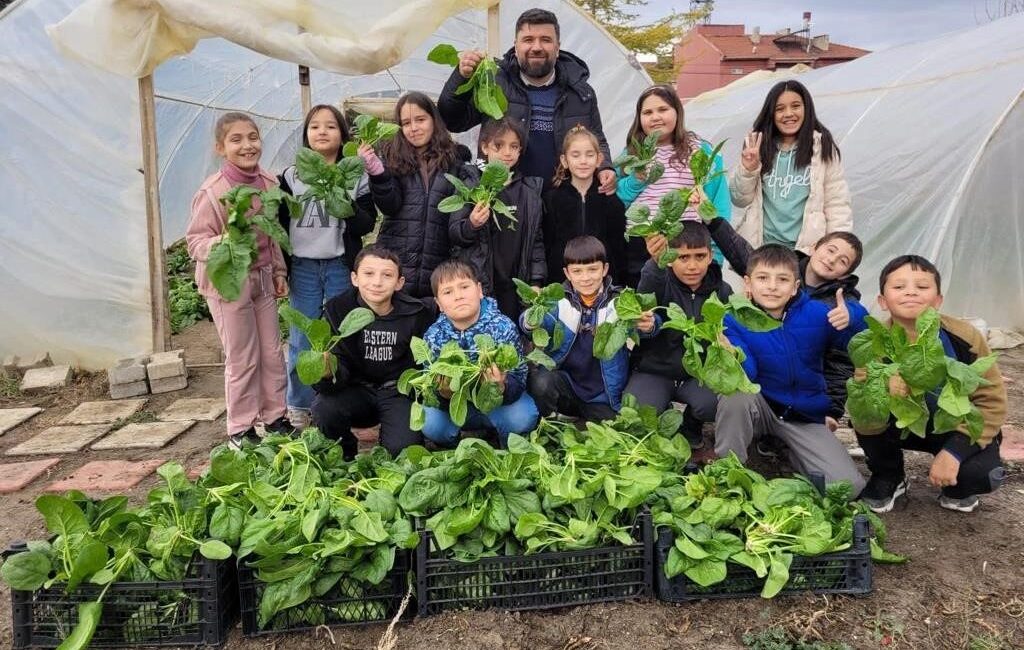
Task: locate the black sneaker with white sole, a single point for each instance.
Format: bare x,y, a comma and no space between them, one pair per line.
966,504
238,440
281,426
880,494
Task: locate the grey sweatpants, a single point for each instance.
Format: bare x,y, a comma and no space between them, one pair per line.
742,417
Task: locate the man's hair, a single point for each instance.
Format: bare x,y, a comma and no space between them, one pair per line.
585,249
538,17
916,262
450,270
774,256
379,251
694,235
851,239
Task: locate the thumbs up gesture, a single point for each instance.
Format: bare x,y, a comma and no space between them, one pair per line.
839,316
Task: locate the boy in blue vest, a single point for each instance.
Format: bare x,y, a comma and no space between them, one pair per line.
583,385
788,364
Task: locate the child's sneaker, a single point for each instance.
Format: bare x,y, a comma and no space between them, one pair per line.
238,440
299,419
282,426
966,504
880,494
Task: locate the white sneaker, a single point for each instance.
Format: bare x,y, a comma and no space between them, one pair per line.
299,418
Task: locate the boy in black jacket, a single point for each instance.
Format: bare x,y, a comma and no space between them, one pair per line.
364,391
498,249
828,270
658,376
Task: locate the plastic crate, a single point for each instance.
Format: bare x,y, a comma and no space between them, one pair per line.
334,609
199,610
845,572
544,580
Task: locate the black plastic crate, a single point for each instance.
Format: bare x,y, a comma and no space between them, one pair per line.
334,609
540,581
845,572
199,610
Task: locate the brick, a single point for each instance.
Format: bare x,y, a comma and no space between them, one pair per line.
143,435
101,412
106,476
134,389
165,370
10,418
41,360
198,470
157,386
127,371
166,357
63,439
39,380
14,476
1012,447
205,409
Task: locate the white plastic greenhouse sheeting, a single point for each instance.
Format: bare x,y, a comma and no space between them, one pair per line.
932,138
73,269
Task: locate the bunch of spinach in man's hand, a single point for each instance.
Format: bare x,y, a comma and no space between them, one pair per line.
370,131
707,356
313,364
538,305
922,364
629,307
493,180
463,372
488,96
334,184
230,259
642,161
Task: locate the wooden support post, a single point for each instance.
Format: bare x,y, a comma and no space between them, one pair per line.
307,100
160,321
493,30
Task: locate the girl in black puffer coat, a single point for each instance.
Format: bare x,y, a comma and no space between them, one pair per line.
408,190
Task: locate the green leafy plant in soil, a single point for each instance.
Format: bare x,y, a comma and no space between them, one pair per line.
538,305
667,220
313,364
494,178
630,306
463,373
332,183
707,356
231,258
98,543
488,97
186,304
642,161
923,365
370,131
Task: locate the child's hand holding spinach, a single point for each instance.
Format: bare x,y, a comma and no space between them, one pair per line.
493,180
333,184
538,305
642,163
630,310
318,362
370,131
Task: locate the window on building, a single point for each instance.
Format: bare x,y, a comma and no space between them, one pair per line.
737,70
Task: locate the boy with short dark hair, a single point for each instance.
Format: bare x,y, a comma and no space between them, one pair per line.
583,385
658,375
787,363
465,313
363,392
909,285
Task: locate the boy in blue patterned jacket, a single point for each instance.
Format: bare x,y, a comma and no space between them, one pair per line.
581,384
465,312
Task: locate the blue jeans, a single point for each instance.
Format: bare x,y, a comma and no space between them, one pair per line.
310,284
520,416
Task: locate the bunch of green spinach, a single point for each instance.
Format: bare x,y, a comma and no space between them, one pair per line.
611,335
370,131
334,184
488,96
461,372
707,356
493,180
538,305
923,365
641,160
313,364
232,256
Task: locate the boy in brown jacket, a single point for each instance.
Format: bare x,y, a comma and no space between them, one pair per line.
909,285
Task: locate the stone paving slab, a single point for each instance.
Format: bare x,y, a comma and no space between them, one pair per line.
38,380
199,409
198,470
106,476
10,418
144,435
14,476
62,439
102,412
1012,447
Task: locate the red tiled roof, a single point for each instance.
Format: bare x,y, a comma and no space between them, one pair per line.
791,48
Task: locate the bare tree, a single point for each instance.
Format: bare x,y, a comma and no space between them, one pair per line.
995,9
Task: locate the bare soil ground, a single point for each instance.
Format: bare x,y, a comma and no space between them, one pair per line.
962,588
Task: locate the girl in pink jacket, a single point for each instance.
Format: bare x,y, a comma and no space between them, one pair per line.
254,373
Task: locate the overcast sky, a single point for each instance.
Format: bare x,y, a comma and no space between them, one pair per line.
870,24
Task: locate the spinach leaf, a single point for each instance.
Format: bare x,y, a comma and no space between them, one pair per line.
488,97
